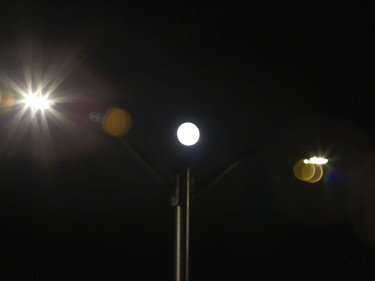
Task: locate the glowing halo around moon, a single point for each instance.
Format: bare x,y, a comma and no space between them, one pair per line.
188,134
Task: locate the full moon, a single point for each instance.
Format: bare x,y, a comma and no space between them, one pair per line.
188,134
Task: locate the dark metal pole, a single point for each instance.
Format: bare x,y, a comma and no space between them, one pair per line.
181,204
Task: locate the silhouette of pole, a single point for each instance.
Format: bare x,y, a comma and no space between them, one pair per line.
181,204
181,195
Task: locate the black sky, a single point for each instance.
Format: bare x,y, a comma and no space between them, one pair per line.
270,75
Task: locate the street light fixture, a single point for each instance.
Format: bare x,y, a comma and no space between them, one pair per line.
188,134
181,191
310,170
37,101
316,160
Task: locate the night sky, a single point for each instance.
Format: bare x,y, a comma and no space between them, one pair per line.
269,83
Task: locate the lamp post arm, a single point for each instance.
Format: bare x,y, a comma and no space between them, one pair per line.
222,171
216,176
148,166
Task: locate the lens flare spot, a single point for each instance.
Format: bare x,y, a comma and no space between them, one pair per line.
117,122
297,169
302,171
317,175
308,172
6,100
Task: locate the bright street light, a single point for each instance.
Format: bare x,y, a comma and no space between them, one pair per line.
37,102
188,134
316,160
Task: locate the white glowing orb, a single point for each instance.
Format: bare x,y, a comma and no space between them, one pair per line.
37,102
316,160
188,134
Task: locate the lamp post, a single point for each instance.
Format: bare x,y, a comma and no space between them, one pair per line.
181,191
181,196
181,202
188,134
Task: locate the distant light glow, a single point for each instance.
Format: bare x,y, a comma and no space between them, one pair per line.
188,134
29,99
316,160
37,102
310,170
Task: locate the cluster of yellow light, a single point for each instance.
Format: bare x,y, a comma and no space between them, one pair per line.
309,170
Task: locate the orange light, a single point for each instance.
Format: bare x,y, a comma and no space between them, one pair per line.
302,171
307,171
116,122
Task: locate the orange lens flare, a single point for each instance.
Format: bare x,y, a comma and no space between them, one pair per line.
6,100
311,173
117,122
317,175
